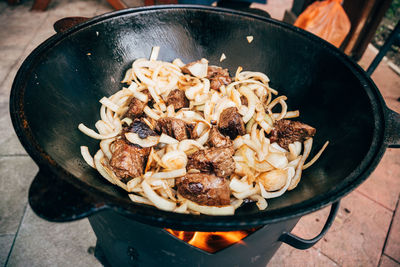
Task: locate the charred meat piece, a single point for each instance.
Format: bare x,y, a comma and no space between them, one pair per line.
216,160
176,128
218,77
128,161
204,189
178,99
136,107
141,128
231,123
286,132
216,139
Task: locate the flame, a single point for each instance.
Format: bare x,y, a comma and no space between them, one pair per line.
211,241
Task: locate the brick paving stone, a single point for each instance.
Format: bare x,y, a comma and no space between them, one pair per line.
286,256
9,142
383,186
16,174
42,243
357,235
392,248
388,262
5,246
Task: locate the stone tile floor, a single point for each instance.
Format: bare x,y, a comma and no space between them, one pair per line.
366,231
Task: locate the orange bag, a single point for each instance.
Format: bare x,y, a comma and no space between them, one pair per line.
327,19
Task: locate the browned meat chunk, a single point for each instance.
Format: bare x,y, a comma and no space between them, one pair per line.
231,123
176,128
141,128
136,107
218,77
216,160
128,161
204,189
286,132
178,99
216,139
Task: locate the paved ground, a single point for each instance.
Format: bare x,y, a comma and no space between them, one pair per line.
366,231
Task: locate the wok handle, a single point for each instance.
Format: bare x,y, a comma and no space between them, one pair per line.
392,134
65,24
56,200
300,243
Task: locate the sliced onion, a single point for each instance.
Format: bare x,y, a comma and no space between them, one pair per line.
86,156
103,127
128,76
262,166
126,120
93,134
149,141
182,208
109,104
248,193
211,210
198,68
278,160
316,157
252,101
267,128
273,180
306,152
166,139
151,113
288,115
204,138
178,63
238,186
261,202
139,199
154,52
133,183
169,174
174,160
274,147
267,195
105,147
236,203
157,200
139,95
188,144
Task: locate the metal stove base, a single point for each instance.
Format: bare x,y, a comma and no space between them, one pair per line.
125,242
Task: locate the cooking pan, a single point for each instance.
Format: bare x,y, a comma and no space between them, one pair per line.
58,86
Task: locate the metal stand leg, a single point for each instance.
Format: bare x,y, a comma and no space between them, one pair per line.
385,48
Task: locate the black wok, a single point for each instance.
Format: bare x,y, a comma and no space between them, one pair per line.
59,85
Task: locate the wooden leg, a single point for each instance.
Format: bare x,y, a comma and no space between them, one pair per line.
117,4
149,2
40,5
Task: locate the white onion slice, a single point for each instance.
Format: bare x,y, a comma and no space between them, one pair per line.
169,174
166,139
157,200
149,141
86,156
211,210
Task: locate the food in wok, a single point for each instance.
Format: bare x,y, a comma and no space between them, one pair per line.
190,138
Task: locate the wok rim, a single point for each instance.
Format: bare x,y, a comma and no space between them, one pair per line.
156,217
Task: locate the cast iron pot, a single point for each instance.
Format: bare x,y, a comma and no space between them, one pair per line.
59,85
